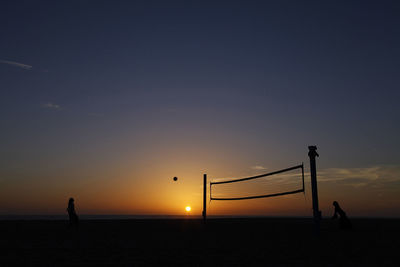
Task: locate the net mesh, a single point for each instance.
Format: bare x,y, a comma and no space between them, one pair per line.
285,182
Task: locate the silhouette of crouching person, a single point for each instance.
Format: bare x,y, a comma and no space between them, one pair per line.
344,222
73,218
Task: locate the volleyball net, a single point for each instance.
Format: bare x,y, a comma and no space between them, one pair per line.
273,184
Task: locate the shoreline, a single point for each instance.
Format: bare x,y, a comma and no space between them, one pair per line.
85,217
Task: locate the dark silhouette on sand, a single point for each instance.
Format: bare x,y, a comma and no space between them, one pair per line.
344,221
73,217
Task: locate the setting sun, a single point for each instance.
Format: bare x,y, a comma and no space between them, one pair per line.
188,208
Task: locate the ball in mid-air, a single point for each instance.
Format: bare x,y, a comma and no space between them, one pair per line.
175,178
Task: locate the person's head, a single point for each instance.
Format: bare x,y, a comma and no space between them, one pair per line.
71,200
335,204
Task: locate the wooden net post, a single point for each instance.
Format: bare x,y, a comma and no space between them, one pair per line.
312,153
205,198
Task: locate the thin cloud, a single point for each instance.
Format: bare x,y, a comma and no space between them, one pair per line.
16,64
258,167
94,114
51,106
375,176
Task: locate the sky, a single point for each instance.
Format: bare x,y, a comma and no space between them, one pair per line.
107,101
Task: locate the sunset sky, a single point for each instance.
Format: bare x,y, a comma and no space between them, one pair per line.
107,101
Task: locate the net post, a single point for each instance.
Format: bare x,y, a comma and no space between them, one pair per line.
302,176
312,153
204,198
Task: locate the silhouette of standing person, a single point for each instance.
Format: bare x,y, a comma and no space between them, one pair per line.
344,221
73,218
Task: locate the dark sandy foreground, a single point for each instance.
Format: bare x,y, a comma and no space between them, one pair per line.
224,242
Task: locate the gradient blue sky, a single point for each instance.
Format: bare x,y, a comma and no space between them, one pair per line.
107,100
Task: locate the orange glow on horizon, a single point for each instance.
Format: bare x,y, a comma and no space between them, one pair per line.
130,191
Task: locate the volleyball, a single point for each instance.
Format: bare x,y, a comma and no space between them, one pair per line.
175,178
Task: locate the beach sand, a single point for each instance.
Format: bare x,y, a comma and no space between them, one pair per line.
187,242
